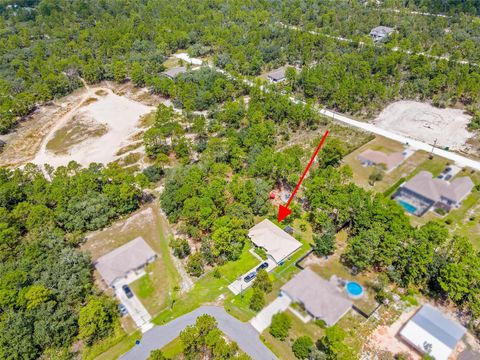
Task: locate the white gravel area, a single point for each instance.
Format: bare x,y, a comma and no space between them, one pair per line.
119,114
427,123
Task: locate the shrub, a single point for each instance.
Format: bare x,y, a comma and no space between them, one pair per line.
153,173
257,301
195,264
280,326
440,211
180,247
301,347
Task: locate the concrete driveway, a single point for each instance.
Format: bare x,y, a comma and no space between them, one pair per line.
240,285
264,317
242,333
135,308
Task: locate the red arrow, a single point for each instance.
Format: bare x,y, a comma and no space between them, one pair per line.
284,211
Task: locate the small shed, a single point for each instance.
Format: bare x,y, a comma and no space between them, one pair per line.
381,33
277,75
431,332
174,72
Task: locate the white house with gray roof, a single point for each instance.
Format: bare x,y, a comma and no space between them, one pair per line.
320,298
381,33
431,332
122,261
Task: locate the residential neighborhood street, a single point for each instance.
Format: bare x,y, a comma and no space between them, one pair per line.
243,334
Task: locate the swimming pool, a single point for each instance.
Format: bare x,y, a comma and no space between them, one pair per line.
354,289
409,207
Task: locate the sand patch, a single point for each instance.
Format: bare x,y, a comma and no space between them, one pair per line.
78,129
93,132
426,123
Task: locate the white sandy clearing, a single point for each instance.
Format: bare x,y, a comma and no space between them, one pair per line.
121,117
187,58
426,123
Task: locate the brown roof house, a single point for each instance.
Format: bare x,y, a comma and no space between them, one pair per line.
372,157
427,191
130,257
320,298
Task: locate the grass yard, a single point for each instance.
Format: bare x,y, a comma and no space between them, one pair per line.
112,347
173,348
283,349
208,288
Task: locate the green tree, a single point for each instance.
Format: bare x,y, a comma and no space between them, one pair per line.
97,318
195,264
280,326
302,347
156,355
262,281
257,301
333,345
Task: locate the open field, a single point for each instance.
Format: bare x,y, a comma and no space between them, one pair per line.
426,123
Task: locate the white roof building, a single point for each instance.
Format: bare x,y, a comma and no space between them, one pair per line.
118,263
277,243
431,332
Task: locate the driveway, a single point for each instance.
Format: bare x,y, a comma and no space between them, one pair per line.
264,317
134,307
240,284
242,333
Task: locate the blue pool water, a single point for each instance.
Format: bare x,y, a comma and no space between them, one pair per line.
410,208
354,289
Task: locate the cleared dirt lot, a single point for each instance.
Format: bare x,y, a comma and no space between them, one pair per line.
426,123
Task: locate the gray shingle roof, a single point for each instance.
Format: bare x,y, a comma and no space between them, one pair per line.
321,298
434,189
381,31
173,72
122,260
277,74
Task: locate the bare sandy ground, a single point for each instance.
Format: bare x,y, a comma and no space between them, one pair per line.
427,123
118,114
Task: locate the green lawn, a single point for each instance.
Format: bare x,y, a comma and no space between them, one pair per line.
112,347
208,288
173,348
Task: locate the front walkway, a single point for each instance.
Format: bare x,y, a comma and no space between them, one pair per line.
242,333
264,317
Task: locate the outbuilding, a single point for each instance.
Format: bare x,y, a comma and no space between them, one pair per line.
430,332
174,72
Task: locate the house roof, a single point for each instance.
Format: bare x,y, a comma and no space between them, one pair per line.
381,31
173,72
429,327
434,188
274,240
277,74
321,298
122,260
378,157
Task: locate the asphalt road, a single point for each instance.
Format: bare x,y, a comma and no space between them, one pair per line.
242,333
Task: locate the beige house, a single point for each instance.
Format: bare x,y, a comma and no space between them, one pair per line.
372,157
276,242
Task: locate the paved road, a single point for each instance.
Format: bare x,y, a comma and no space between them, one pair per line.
415,144
242,333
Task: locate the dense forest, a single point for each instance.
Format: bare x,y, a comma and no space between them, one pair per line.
47,297
46,48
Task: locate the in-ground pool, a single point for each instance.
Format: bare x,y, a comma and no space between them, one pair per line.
410,208
354,289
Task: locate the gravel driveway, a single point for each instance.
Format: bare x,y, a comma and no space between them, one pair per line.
242,333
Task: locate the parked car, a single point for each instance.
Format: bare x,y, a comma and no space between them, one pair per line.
262,266
250,276
127,291
123,309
